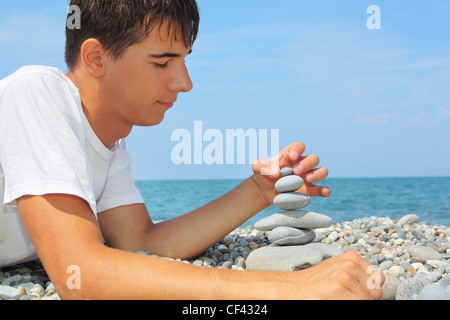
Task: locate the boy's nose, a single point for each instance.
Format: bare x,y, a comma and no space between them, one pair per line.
182,83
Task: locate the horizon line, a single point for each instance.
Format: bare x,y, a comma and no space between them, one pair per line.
234,179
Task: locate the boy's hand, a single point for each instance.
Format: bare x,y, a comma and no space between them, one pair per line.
267,172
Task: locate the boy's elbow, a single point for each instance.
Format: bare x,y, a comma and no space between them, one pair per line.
71,286
76,276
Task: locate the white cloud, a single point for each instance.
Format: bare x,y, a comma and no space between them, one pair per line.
427,120
381,118
419,119
418,65
443,111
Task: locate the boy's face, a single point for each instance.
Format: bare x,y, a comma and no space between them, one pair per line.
144,83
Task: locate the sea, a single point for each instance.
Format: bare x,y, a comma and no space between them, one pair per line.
352,198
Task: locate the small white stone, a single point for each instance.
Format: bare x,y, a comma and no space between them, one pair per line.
396,271
437,263
333,236
408,219
37,290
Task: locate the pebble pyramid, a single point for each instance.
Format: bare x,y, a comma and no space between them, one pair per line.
291,231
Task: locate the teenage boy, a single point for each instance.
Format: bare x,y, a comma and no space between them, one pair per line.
66,185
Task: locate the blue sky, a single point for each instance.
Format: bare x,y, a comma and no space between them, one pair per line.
370,103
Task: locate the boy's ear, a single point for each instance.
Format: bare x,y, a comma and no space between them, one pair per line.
92,57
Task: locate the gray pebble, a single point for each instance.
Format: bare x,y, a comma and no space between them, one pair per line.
290,258
291,200
396,271
28,297
406,265
410,287
385,265
424,252
227,264
417,260
418,234
10,281
408,219
446,255
240,262
400,233
445,281
389,287
7,292
288,236
294,218
333,236
286,171
228,240
409,274
350,238
198,263
50,286
37,290
234,255
223,248
372,241
433,276
433,292
289,184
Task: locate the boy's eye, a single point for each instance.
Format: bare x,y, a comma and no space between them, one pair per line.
160,66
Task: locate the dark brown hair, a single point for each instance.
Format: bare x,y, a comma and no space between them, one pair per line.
119,24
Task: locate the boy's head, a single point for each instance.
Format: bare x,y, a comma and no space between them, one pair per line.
128,59
119,24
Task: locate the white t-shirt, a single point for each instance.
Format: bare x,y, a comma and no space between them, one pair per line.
48,146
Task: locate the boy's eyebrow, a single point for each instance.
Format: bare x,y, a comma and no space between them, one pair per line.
166,55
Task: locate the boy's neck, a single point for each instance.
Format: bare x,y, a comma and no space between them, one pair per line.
108,128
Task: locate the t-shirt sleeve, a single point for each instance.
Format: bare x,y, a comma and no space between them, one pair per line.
41,145
120,188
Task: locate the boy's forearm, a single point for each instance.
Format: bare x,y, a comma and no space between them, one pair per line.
193,233
112,274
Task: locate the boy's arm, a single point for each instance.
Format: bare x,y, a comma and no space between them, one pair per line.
130,227
68,240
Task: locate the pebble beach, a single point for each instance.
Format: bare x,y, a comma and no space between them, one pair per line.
414,257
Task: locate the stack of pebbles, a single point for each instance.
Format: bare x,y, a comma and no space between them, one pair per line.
291,231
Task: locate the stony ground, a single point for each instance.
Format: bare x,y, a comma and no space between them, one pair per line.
413,256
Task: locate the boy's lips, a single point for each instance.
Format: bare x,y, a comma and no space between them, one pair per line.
167,105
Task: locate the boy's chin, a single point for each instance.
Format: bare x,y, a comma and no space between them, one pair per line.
150,122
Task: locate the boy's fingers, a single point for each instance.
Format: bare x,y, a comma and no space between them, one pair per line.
325,192
306,163
288,157
315,175
361,272
316,191
295,150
